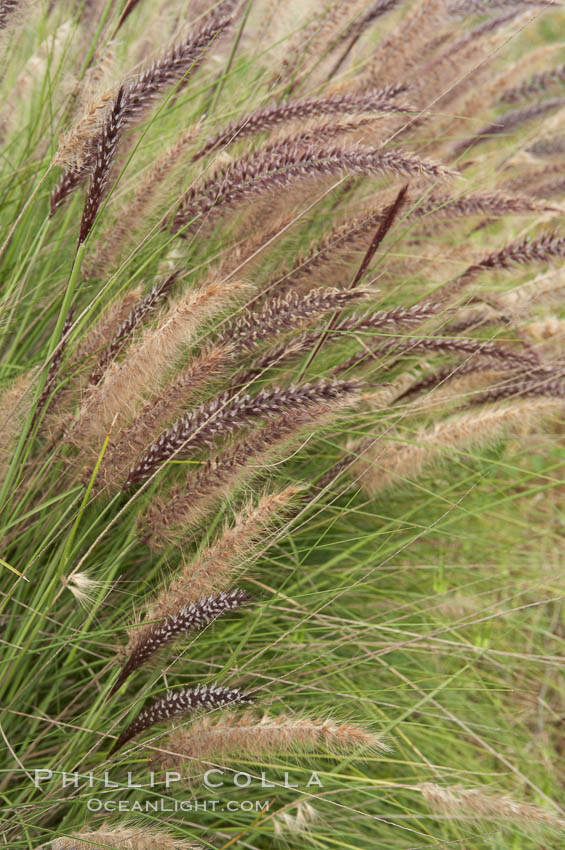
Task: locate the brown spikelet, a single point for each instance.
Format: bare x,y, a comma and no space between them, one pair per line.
548,382
553,145
116,397
54,366
176,64
150,638
170,517
381,100
432,345
285,164
317,38
357,28
541,249
389,464
509,122
404,47
8,9
178,702
75,151
274,356
464,61
215,568
135,317
534,86
124,838
67,184
471,365
226,414
95,340
136,211
155,414
106,147
494,204
283,314
479,803
467,7
337,246
212,739
101,333
388,218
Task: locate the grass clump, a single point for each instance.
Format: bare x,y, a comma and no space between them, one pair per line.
282,346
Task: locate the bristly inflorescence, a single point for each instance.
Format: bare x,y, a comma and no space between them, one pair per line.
282,314
380,100
7,9
54,367
149,639
173,66
106,147
287,163
520,252
136,316
226,414
509,122
129,837
315,211
179,702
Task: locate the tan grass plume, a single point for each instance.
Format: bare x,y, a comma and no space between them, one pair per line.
249,735
390,464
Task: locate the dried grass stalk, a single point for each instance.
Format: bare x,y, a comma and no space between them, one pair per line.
212,740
